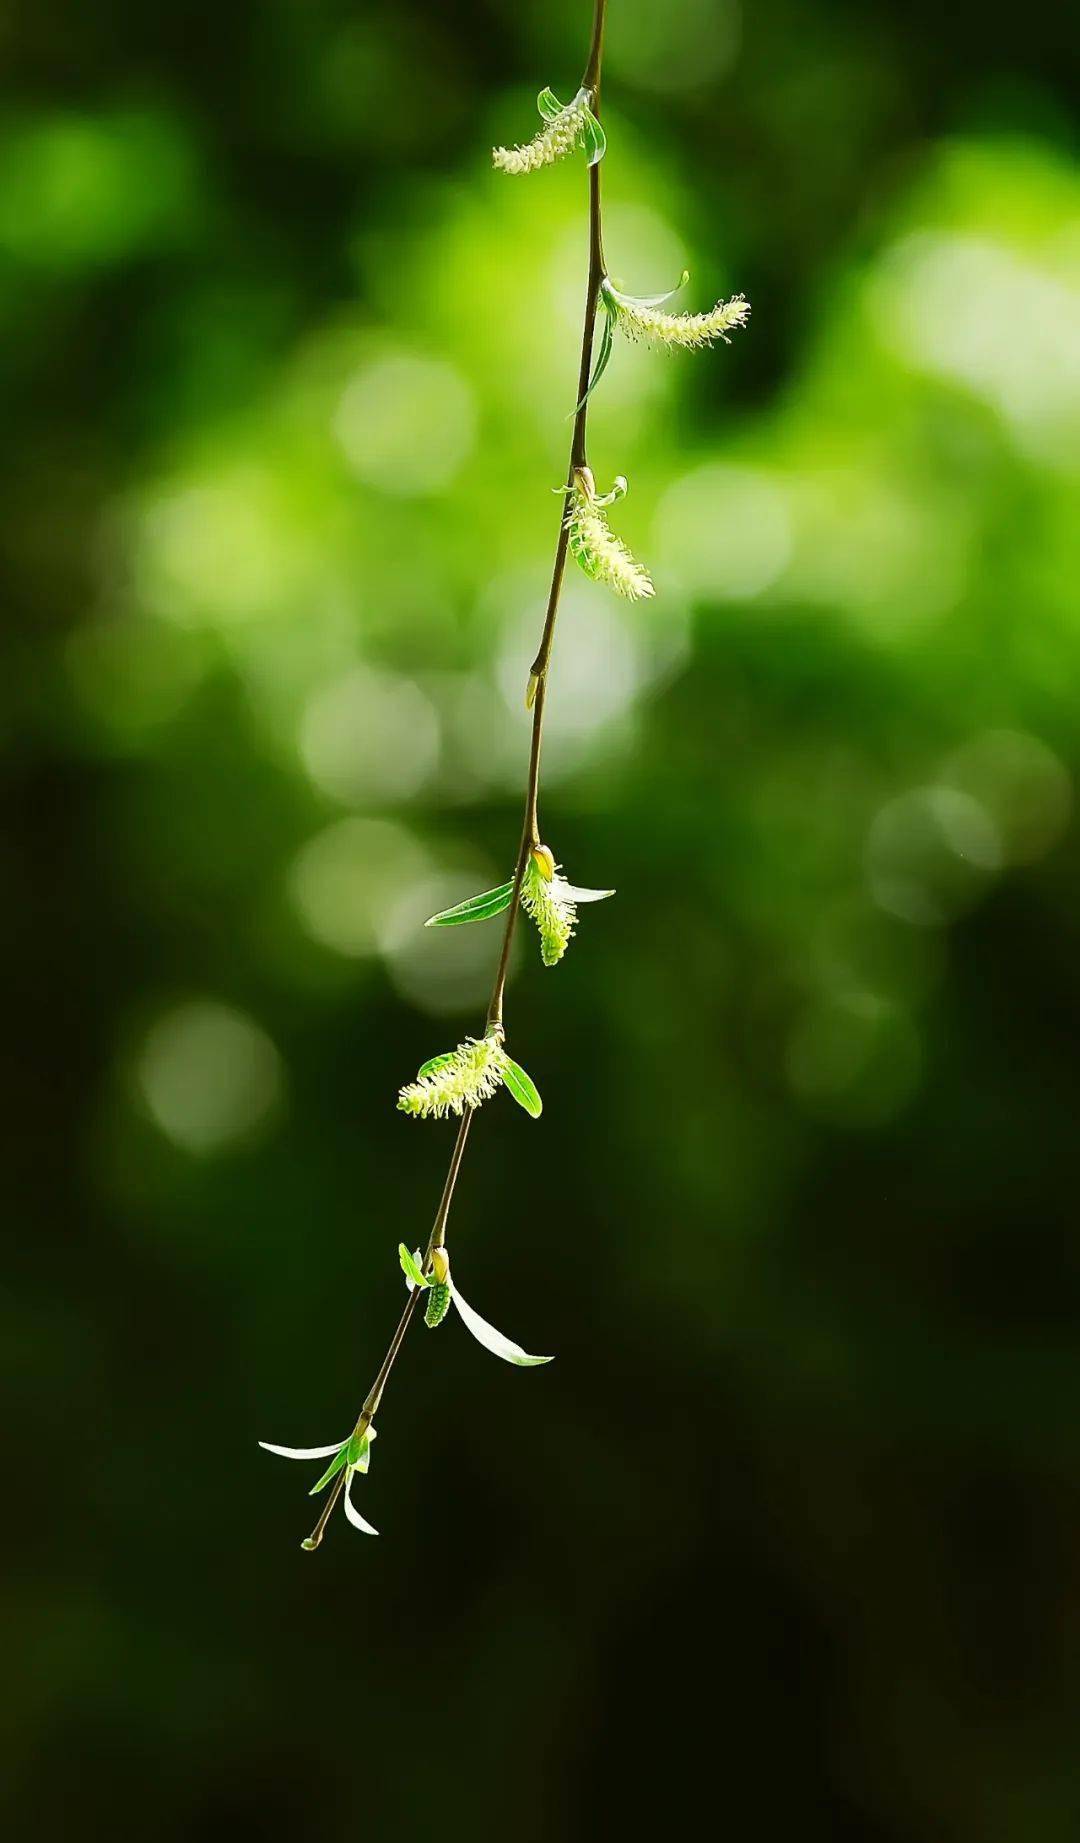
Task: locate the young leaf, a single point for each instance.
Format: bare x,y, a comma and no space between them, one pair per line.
331,1471
600,363
493,1340
523,1088
435,1062
594,140
301,1452
410,1267
549,105
474,908
645,300
578,895
358,1454
353,1514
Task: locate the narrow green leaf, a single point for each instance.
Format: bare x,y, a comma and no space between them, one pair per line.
357,1447
475,908
549,105
332,1469
595,139
410,1267
435,1062
523,1088
600,363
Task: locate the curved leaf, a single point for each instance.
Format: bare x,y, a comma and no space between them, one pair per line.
594,139
331,1471
357,1521
493,1340
647,300
600,364
435,1062
302,1452
523,1088
474,908
549,105
574,894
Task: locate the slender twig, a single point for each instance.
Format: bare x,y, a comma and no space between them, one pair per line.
530,831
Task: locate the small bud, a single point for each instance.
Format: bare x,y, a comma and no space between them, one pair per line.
544,861
440,1265
309,1543
531,689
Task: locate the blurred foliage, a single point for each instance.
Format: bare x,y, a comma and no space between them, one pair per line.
286,373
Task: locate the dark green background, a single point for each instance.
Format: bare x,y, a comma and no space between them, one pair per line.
784,1544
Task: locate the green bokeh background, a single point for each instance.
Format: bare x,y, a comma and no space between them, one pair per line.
787,1536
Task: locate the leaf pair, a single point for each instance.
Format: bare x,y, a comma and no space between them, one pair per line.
352,1455
593,138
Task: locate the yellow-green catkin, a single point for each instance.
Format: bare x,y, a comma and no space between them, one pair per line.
557,138
652,324
595,547
465,1078
555,914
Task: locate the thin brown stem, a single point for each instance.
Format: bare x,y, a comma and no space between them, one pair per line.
316,1535
530,832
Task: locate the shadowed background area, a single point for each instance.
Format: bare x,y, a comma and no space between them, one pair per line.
790,1526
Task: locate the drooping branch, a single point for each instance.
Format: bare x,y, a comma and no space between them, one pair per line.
537,698
457,1081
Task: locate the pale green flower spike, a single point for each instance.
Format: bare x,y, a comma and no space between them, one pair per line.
484,1333
642,317
552,903
567,127
466,1077
354,1454
599,552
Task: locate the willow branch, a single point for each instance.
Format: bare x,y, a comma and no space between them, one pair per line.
530,831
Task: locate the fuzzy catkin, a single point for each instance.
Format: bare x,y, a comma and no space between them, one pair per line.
599,552
553,911
469,1076
562,134
653,325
